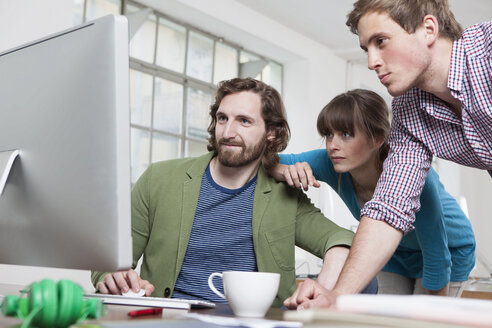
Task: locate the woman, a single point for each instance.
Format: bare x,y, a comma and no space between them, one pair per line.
438,255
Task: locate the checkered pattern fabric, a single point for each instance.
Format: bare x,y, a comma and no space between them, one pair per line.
424,126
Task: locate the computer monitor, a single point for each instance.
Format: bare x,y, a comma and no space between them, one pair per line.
64,105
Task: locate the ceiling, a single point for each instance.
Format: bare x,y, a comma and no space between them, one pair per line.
324,20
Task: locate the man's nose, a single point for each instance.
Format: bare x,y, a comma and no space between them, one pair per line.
373,59
230,130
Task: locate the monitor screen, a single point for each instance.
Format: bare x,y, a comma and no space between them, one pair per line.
64,106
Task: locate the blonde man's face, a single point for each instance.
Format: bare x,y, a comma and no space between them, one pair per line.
399,59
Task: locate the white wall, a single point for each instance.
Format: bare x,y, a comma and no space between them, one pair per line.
473,190
23,21
476,187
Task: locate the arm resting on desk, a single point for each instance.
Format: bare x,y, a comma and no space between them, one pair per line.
374,244
333,263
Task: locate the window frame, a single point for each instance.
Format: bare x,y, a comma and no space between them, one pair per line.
180,77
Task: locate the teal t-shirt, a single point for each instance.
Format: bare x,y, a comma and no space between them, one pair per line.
440,249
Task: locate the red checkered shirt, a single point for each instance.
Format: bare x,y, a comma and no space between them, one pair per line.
423,126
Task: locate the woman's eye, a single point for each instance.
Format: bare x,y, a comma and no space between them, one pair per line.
347,134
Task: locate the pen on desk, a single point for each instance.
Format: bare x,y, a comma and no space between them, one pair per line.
139,313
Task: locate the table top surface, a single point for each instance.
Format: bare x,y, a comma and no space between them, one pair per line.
117,315
481,289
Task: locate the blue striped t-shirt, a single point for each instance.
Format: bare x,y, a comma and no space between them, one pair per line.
221,239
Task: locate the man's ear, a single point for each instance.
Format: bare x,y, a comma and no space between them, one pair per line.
430,27
271,134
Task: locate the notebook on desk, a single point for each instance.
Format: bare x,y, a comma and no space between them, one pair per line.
172,303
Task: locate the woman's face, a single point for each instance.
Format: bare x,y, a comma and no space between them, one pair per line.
352,152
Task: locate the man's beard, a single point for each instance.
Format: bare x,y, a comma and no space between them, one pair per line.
247,155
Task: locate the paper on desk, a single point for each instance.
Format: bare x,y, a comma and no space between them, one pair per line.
461,311
243,322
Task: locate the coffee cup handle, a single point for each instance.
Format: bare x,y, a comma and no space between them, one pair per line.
211,283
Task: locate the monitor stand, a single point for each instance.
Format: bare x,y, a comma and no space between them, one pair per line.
7,159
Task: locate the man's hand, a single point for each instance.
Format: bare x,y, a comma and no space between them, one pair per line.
121,282
310,294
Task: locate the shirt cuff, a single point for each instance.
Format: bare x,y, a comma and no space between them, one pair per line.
435,278
383,212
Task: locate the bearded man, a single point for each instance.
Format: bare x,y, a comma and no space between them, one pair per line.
221,211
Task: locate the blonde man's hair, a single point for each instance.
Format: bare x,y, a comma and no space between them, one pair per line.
409,14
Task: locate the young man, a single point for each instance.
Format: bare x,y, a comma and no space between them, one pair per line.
221,211
441,78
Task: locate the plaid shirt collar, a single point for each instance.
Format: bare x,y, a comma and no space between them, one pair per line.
456,68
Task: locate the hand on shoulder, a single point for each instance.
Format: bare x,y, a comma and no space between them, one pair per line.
298,175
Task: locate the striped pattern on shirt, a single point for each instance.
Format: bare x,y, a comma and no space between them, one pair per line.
221,239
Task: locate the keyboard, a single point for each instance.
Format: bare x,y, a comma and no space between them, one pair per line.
172,303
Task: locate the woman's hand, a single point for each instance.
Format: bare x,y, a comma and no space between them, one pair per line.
441,292
298,175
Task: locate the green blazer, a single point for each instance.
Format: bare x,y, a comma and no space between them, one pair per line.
164,201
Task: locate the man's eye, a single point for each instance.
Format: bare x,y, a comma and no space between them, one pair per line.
221,118
245,121
380,41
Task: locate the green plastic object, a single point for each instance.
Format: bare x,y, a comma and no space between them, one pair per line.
50,304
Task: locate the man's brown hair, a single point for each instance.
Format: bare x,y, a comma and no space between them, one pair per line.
409,14
272,112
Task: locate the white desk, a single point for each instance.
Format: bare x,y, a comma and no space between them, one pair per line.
317,318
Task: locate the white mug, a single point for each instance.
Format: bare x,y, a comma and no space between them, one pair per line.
250,294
